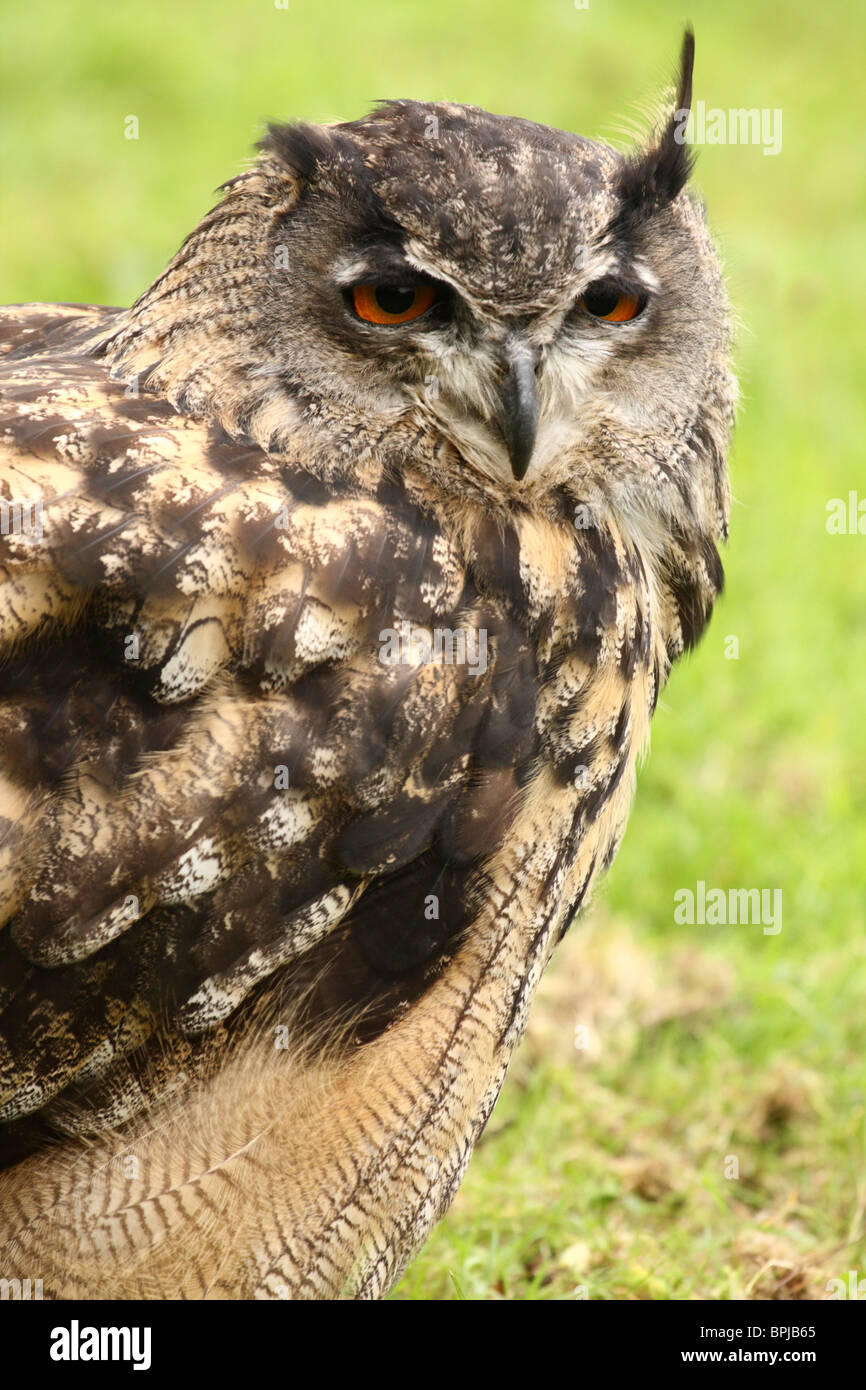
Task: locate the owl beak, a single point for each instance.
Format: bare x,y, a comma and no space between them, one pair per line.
518,395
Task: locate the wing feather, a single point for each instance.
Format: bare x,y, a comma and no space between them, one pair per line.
212,783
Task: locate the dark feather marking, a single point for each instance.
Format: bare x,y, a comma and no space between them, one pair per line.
576,903
392,922
653,178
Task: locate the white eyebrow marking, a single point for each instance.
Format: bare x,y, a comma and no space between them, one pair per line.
646,276
348,270
636,271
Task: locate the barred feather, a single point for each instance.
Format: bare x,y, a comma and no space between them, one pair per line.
226,822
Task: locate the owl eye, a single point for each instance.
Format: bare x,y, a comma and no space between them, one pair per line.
608,301
392,303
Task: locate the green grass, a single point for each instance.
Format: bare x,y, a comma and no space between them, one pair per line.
602,1171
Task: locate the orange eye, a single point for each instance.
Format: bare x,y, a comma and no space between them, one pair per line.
392,303
609,302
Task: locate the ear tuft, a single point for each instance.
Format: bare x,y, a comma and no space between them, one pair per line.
652,178
302,148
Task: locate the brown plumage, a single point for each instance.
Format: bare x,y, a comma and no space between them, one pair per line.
274,906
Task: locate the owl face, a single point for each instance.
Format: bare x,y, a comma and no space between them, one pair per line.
514,287
515,314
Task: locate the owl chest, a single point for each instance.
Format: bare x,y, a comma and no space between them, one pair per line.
575,661
552,730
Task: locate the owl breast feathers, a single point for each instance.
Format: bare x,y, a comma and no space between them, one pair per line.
339,578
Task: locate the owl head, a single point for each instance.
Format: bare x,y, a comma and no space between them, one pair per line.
520,302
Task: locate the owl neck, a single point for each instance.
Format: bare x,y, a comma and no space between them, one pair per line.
194,334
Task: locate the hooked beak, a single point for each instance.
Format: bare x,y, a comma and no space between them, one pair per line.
518,395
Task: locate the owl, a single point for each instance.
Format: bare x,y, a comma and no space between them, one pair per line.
340,578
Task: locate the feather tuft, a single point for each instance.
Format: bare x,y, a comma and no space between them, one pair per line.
652,178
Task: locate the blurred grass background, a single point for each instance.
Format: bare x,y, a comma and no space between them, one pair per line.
603,1170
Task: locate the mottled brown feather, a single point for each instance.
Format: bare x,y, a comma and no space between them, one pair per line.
223,815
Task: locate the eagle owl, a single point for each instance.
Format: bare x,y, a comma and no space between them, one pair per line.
340,578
